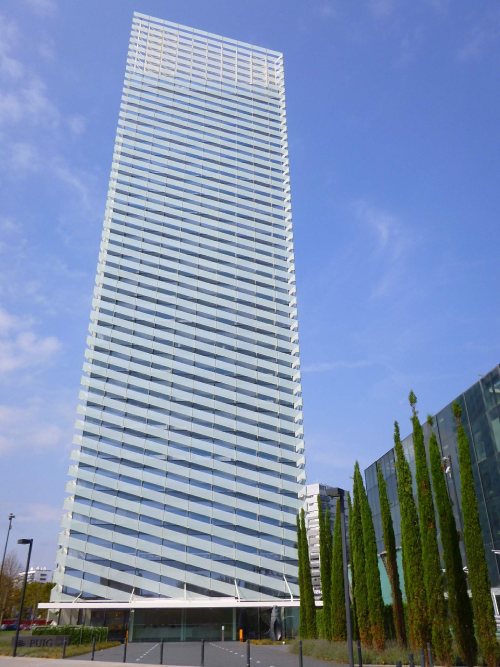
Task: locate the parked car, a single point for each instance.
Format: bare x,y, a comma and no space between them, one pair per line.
8,626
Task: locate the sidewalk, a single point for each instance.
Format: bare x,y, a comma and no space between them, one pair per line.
21,661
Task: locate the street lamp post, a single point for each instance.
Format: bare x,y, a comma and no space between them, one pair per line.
340,494
11,516
18,627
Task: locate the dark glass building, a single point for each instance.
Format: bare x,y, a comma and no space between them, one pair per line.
481,417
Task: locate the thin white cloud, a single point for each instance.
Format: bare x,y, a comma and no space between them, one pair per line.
39,512
39,424
381,8
411,45
8,322
9,35
23,156
392,239
77,124
483,34
47,50
73,180
23,94
391,235
388,230
43,283
43,7
12,243
440,6
28,103
327,9
8,226
20,347
11,66
26,350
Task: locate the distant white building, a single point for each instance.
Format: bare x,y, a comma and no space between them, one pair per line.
328,496
39,575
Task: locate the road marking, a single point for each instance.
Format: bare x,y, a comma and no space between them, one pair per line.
145,654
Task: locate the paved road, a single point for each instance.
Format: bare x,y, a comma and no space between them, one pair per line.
186,654
217,654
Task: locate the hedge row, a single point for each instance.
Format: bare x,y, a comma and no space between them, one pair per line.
78,634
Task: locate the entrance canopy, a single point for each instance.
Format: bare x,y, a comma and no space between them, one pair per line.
168,603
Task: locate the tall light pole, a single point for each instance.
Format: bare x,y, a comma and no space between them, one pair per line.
11,516
30,542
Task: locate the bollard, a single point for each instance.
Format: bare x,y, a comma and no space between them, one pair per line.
429,653
64,649
161,651
411,660
125,650
202,653
360,653
422,657
301,658
248,653
93,648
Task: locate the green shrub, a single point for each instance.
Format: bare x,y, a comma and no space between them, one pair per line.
78,634
336,652
54,651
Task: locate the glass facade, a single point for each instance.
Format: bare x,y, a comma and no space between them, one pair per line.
481,418
189,447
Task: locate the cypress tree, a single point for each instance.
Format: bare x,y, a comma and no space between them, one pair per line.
310,605
302,594
413,569
338,621
433,576
459,604
372,573
325,555
358,568
482,604
391,562
354,617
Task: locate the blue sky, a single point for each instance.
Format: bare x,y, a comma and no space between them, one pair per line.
393,113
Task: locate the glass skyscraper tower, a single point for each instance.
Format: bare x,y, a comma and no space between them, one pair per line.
190,455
